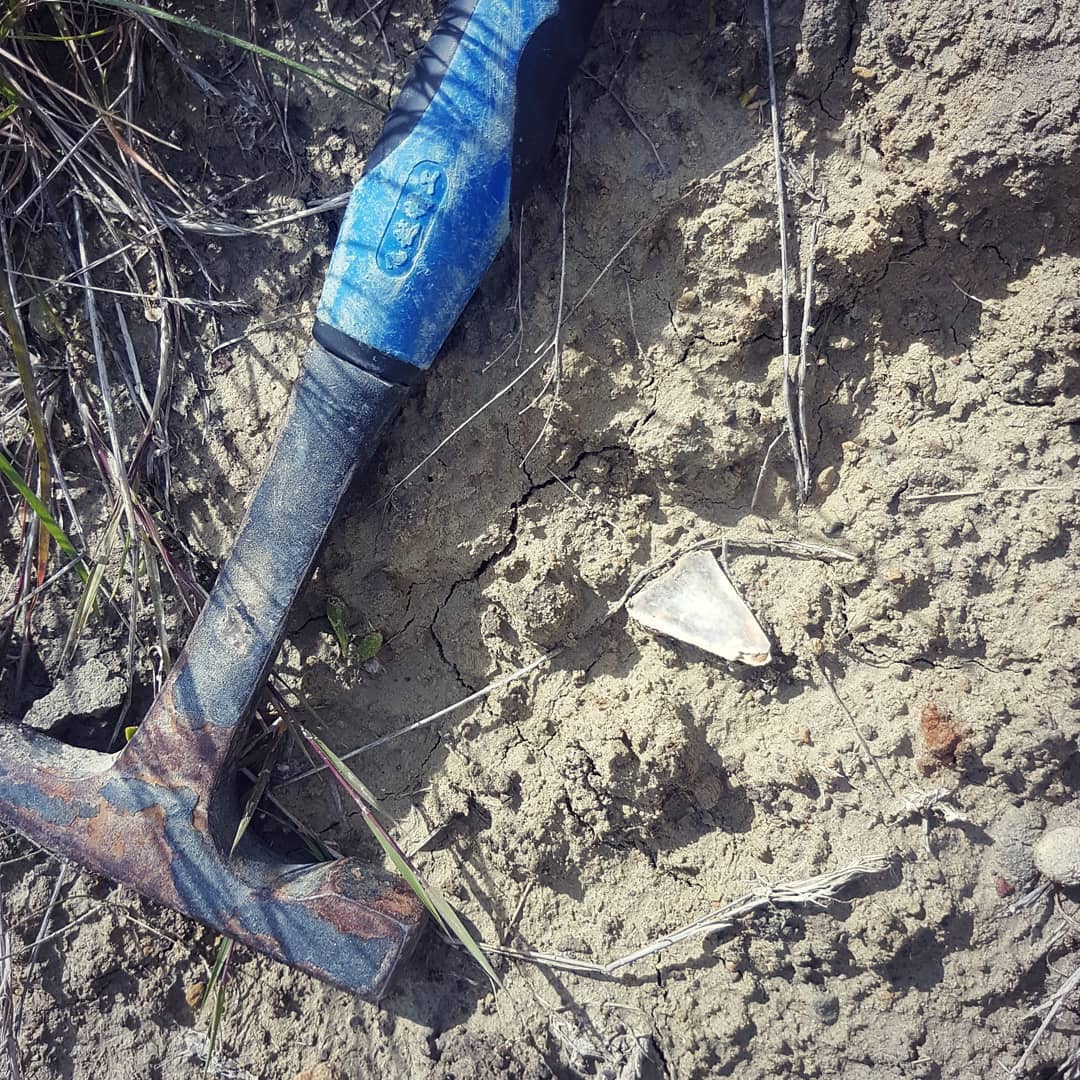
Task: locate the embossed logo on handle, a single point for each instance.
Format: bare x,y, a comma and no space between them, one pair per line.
411,219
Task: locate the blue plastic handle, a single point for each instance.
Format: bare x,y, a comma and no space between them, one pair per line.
433,206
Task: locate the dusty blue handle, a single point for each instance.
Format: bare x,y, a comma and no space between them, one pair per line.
433,206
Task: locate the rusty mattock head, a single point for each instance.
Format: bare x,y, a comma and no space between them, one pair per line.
161,814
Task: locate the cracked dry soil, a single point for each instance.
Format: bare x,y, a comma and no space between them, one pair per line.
633,784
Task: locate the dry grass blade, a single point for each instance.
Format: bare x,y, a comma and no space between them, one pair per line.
88,598
7,1000
815,891
241,43
252,805
796,435
442,911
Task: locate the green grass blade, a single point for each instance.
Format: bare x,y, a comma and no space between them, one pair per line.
367,648
430,895
231,39
252,805
33,411
47,520
337,615
215,987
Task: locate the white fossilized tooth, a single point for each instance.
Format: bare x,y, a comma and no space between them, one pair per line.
695,602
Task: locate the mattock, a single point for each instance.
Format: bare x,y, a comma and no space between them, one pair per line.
425,220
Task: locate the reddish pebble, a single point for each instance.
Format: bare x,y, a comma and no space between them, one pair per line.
938,731
1004,886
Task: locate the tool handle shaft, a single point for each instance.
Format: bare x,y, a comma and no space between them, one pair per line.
332,426
432,209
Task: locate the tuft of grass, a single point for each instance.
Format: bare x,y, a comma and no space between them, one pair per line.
87,203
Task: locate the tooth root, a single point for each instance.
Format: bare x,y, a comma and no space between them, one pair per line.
695,602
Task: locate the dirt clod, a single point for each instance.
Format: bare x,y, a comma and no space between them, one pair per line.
939,733
194,994
1057,855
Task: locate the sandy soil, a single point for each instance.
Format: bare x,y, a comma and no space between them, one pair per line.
633,784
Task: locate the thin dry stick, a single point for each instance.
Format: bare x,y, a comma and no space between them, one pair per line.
629,113
539,354
815,891
519,335
7,1000
484,692
19,604
1051,1007
804,348
761,471
855,727
72,278
43,935
970,493
786,390
556,355
60,932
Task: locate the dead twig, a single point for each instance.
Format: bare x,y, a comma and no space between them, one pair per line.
43,935
479,695
814,891
855,727
539,354
973,493
7,1000
787,392
1049,1009
554,379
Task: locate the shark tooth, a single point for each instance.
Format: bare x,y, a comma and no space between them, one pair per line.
695,602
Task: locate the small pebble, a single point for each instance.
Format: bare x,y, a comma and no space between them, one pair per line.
1057,855
939,733
194,993
688,301
828,479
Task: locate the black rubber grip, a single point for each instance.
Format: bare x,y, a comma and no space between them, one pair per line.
547,66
